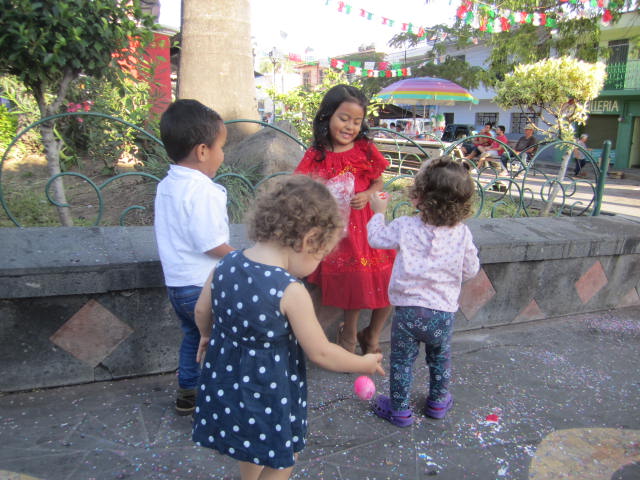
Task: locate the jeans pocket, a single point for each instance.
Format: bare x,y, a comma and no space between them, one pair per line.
184,297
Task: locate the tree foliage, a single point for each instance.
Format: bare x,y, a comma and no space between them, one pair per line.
555,90
575,34
47,44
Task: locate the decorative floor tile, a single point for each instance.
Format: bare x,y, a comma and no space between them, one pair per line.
530,312
91,334
6,475
475,294
630,299
591,282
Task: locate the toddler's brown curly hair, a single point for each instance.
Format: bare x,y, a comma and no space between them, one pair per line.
443,192
290,207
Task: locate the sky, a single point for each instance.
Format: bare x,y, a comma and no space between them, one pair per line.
297,26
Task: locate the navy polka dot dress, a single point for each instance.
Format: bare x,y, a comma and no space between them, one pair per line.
252,394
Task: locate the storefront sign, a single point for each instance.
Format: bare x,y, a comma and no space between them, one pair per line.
604,107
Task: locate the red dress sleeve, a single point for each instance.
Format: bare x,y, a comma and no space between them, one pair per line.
368,160
306,164
378,163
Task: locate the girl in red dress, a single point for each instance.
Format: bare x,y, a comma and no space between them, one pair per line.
354,276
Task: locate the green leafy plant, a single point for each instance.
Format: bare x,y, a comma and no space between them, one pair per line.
47,45
98,138
8,127
556,90
25,109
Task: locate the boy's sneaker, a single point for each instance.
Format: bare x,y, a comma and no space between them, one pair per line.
185,401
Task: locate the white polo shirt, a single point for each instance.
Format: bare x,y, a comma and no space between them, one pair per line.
190,219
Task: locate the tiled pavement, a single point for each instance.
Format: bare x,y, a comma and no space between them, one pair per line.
544,400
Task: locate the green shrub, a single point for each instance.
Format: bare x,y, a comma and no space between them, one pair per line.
8,127
24,110
97,138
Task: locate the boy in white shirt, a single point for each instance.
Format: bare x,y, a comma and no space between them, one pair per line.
191,223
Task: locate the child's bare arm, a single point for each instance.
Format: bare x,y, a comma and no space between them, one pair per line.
297,305
203,317
220,251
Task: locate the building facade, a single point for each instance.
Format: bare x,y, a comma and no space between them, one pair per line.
615,114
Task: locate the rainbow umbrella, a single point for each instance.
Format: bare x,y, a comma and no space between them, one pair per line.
425,91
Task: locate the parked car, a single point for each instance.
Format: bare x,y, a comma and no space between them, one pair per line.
456,131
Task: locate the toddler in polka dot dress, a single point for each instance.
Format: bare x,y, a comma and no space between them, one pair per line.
435,254
255,319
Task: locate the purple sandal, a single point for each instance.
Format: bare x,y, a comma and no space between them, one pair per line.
438,409
400,418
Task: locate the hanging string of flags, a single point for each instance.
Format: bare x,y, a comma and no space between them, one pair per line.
358,68
371,69
488,18
492,19
347,8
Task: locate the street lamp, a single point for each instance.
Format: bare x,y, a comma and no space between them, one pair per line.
275,60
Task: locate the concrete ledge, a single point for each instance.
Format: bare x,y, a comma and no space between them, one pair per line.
87,304
527,239
44,262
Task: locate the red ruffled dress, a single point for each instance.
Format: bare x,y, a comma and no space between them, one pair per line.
354,276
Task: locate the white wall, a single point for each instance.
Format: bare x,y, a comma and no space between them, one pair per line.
475,55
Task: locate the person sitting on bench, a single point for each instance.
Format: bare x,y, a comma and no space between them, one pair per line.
524,146
495,150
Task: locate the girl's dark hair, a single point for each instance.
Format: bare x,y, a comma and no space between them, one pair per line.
330,103
443,192
186,124
291,206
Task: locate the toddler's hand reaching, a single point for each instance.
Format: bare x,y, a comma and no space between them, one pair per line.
374,362
379,202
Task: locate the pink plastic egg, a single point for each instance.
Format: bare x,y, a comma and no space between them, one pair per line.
364,387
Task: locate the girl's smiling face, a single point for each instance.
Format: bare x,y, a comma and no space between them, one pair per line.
344,125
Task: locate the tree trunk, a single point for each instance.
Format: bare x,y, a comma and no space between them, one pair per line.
52,152
556,187
216,60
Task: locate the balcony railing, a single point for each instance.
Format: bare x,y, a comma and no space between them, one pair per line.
623,76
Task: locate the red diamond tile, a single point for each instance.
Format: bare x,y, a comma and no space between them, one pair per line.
630,299
91,334
591,282
475,294
530,312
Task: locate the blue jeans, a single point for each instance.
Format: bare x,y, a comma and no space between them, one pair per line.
412,325
184,300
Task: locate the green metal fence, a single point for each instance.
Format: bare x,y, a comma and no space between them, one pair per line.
516,186
520,188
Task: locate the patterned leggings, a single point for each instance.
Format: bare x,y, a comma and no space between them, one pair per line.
412,325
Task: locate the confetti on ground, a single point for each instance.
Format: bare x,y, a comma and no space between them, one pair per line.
493,418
